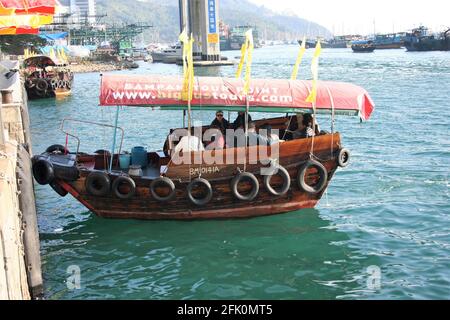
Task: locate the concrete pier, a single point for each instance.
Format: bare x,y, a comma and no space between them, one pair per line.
20,262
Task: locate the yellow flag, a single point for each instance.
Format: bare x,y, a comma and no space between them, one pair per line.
52,54
299,59
242,61
64,55
315,71
188,66
248,65
246,57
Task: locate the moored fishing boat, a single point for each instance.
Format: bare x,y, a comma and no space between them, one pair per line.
237,181
46,77
420,39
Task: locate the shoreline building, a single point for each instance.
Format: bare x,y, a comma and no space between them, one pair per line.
81,11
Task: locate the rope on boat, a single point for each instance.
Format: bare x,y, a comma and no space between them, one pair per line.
333,115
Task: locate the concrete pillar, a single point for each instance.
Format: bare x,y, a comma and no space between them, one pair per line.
184,21
201,18
195,22
210,30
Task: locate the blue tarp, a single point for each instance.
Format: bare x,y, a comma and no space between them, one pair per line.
53,36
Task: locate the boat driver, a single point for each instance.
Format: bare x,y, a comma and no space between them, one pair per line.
221,122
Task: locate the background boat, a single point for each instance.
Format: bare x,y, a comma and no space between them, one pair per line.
363,46
420,39
46,78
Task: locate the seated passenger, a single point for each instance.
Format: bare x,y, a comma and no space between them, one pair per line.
190,143
217,139
240,120
305,127
221,122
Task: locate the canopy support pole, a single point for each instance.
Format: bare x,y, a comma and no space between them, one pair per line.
114,139
247,109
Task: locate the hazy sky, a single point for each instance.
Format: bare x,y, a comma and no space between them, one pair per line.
353,16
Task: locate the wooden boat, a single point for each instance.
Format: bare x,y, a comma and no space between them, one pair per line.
46,78
201,188
363,46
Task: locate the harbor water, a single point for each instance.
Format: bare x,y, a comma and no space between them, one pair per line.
382,231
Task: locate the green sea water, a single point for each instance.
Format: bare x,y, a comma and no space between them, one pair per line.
382,231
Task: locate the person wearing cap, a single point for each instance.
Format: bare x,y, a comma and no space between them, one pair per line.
221,122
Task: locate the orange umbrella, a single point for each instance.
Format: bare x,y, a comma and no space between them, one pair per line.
18,30
45,7
25,16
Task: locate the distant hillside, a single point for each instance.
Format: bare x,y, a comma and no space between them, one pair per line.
163,15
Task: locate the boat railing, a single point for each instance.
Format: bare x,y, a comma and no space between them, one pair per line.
68,133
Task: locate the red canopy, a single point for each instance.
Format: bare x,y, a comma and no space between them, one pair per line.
266,95
45,7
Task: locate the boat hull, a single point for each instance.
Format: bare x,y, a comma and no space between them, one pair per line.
388,46
428,45
60,90
223,205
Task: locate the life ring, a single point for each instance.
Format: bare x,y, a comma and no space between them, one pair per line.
60,84
209,192
98,184
238,179
69,85
343,158
41,85
127,182
301,177
163,182
58,189
56,148
284,174
43,172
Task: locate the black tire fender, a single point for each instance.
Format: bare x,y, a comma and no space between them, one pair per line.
58,189
43,172
164,181
343,158
98,184
205,200
238,179
286,182
301,177
66,173
120,181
